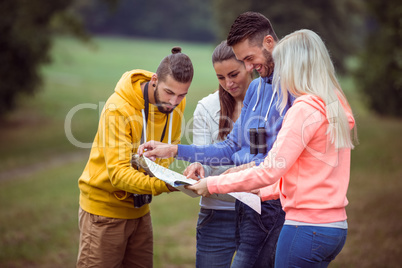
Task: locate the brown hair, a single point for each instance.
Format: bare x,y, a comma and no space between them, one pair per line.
221,53
178,65
250,25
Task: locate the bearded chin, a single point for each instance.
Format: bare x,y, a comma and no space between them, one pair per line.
163,109
268,61
159,104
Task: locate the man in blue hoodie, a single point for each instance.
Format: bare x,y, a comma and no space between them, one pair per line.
252,39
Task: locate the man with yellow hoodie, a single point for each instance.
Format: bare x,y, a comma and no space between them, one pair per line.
114,215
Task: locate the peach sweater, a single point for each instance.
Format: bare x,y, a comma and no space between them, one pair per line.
313,174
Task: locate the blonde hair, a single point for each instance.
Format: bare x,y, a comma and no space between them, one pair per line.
303,66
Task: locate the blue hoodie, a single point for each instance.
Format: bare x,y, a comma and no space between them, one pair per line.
259,110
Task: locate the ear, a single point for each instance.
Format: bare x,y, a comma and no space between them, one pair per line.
154,80
269,43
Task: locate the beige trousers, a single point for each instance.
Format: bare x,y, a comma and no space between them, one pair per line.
109,242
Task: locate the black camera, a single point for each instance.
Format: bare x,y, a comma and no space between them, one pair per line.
257,140
141,199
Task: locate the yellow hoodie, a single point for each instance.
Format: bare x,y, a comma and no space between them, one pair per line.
108,178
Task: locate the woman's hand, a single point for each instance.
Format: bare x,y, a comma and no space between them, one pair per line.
156,149
200,188
194,171
257,192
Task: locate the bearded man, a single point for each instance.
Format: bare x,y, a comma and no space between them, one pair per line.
114,215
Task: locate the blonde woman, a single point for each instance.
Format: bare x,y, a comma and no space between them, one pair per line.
310,157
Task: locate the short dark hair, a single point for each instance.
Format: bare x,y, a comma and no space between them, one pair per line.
250,25
178,65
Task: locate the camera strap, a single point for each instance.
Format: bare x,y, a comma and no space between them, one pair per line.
145,115
141,199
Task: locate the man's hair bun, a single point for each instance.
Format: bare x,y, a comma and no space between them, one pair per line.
176,50
178,65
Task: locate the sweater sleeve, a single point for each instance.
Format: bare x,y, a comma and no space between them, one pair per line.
218,153
116,137
213,154
202,130
270,192
299,126
203,135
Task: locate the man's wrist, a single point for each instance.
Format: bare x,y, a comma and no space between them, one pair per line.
175,150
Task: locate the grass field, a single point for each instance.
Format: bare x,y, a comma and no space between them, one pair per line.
39,167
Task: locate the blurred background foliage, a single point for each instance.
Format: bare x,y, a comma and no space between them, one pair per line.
380,71
24,45
371,30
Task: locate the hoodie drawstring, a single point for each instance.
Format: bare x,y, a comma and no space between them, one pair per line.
258,94
258,98
170,128
144,126
270,104
145,112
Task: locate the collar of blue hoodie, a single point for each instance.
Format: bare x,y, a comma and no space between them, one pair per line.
262,82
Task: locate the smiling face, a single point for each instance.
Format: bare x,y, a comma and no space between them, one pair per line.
233,77
169,93
256,57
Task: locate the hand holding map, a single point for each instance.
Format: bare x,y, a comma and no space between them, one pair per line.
178,181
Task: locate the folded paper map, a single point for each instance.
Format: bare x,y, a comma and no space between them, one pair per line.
178,181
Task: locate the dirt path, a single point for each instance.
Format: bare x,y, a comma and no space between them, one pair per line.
48,163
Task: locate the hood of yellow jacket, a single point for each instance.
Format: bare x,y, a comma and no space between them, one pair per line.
129,87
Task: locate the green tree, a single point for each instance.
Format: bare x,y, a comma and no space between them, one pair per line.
163,19
24,42
380,74
26,31
27,28
338,22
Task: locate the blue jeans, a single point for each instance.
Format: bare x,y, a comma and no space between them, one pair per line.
308,246
216,238
257,235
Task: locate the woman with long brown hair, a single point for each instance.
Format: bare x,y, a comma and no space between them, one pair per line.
213,120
